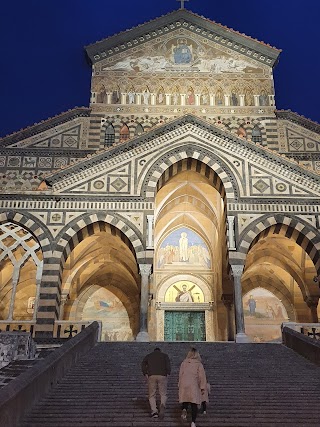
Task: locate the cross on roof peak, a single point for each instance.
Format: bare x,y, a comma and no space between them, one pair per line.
182,3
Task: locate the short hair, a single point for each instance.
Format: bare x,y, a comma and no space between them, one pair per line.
193,354
157,349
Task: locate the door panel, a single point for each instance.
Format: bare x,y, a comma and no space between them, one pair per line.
184,326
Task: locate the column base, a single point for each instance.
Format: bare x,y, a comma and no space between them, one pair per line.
143,336
241,337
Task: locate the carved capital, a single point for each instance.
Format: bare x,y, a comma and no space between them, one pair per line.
312,301
237,270
158,305
64,299
145,269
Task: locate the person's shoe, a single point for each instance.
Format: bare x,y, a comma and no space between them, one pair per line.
161,412
154,415
193,424
184,414
204,412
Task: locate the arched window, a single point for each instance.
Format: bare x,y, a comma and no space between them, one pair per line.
160,96
256,134
248,97
242,132
124,133
205,98
234,100
263,98
109,136
139,130
190,98
219,97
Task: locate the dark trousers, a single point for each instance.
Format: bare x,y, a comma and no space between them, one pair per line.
194,410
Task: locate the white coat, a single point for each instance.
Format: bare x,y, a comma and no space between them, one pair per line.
192,379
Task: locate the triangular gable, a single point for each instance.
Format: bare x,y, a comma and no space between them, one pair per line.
66,132
182,50
179,19
110,172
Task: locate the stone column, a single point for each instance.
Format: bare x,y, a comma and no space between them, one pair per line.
123,98
231,238
212,100
183,99
228,302
271,100
15,280
138,98
197,96
227,100
312,303
145,270
237,271
242,102
150,219
256,100
168,97
63,300
109,94
152,98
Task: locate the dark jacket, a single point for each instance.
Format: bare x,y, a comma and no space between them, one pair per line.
156,363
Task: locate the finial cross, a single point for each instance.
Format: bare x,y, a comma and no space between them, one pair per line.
182,3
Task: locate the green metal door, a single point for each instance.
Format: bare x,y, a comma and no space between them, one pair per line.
184,326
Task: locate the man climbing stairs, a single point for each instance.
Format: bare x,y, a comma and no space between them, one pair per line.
251,385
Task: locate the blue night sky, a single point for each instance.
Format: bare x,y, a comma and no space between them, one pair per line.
43,65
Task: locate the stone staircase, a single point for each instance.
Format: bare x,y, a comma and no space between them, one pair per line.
252,385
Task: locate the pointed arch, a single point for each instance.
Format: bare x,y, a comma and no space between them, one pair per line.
219,97
242,132
256,134
248,97
109,138
234,97
138,130
124,133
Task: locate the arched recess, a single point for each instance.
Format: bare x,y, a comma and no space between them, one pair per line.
264,312
190,230
100,281
206,164
283,254
167,282
295,229
21,265
83,225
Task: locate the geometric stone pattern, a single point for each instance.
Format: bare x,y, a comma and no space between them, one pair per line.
87,189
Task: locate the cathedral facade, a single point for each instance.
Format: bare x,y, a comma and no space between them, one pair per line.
181,205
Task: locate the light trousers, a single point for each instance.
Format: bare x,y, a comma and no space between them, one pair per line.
157,382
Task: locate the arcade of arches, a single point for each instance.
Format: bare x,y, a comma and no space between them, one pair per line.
190,294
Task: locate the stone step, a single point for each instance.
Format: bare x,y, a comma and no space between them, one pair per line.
252,385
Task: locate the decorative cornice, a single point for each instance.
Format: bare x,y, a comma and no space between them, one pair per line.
291,116
183,18
45,125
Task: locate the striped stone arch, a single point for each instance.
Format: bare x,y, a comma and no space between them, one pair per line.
73,233
87,225
176,161
300,231
30,223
